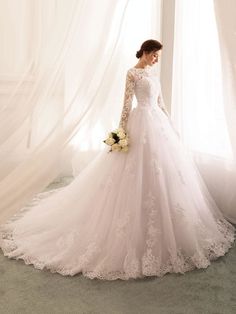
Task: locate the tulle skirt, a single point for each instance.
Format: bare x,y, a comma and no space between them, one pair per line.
145,212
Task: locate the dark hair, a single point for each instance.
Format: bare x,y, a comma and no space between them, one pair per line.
148,46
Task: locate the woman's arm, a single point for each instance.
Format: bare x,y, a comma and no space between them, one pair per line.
127,102
161,103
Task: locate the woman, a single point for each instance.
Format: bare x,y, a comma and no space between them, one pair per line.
144,212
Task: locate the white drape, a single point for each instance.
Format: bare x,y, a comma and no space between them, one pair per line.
62,73
226,24
201,107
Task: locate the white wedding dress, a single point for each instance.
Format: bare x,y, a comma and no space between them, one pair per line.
145,212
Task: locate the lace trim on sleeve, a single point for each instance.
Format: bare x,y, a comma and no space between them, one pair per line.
161,103
128,97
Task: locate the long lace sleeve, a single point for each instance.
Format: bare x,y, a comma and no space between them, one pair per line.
161,103
127,102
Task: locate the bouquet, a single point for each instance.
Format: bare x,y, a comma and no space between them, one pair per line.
117,140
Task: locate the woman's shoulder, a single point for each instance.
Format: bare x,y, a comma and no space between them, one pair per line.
130,73
140,72
131,70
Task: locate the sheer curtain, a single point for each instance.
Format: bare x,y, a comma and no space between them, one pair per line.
62,76
199,108
226,25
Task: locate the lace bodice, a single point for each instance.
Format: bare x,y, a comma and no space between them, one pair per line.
145,85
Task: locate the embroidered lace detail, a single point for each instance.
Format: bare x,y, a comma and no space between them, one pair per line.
155,166
132,264
122,224
180,210
133,267
160,101
151,262
128,97
133,76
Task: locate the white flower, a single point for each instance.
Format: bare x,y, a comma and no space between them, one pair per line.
110,141
125,149
121,135
116,147
119,130
123,142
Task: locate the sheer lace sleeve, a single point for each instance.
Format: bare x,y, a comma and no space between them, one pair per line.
128,97
161,103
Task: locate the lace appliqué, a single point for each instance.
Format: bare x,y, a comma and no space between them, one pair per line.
155,166
128,97
150,262
151,265
180,210
160,101
132,264
122,224
136,264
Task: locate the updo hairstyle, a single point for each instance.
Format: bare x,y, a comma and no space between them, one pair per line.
148,46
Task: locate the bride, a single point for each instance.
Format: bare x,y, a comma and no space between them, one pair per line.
140,212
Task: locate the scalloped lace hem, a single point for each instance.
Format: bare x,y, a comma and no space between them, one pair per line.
134,268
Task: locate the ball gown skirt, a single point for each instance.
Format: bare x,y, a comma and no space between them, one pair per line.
145,212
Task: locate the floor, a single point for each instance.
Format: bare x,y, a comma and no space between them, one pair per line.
25,290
